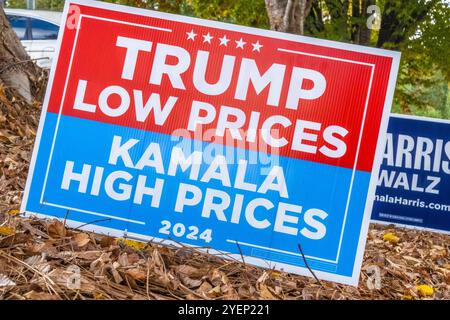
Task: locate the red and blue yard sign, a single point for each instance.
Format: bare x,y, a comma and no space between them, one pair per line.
158,126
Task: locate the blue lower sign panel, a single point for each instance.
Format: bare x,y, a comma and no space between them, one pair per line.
97,183
414,181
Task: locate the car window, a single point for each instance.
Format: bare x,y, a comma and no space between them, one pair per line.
43,30
19,25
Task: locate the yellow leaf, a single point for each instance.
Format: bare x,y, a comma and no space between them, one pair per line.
425,290
392,238
133,244
407,297
14,212
98,296
276,274
6,231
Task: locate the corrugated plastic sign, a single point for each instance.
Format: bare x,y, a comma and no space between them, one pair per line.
414,182
249,141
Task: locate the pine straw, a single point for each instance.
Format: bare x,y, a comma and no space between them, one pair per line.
39,258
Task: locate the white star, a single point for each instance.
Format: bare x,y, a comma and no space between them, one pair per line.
240,43
207,38
224,40
191,35
257,46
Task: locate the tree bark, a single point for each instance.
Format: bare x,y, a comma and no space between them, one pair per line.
356,26
276,12
17,71
288,15
360,32
365,33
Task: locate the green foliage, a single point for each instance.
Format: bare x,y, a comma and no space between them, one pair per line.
244,12
54,5
20,4
424,77
425,95
434,37
171,6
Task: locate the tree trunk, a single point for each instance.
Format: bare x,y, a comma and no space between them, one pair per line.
276,12
17,72
365,33
304,7
360,32
288,15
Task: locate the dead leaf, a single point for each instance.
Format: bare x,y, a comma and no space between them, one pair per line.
34,231
81,239
214,292
190,271
132,257
137,274
85,255
33,295
189,282
57,229
266,294
217,277
107,241
14,239
204,287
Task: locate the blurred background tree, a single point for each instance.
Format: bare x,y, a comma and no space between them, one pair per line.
55,5
420,29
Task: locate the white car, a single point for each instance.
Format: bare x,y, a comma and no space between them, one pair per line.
38,31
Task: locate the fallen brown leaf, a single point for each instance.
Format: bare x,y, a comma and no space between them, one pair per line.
57,229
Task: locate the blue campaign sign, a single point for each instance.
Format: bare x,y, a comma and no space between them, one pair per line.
249,142
414,182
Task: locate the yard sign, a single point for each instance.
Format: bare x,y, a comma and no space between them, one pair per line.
414,182
163,127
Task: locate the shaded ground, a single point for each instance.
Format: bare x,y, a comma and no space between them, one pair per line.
40,259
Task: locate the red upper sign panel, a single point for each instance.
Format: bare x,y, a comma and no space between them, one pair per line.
258,90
